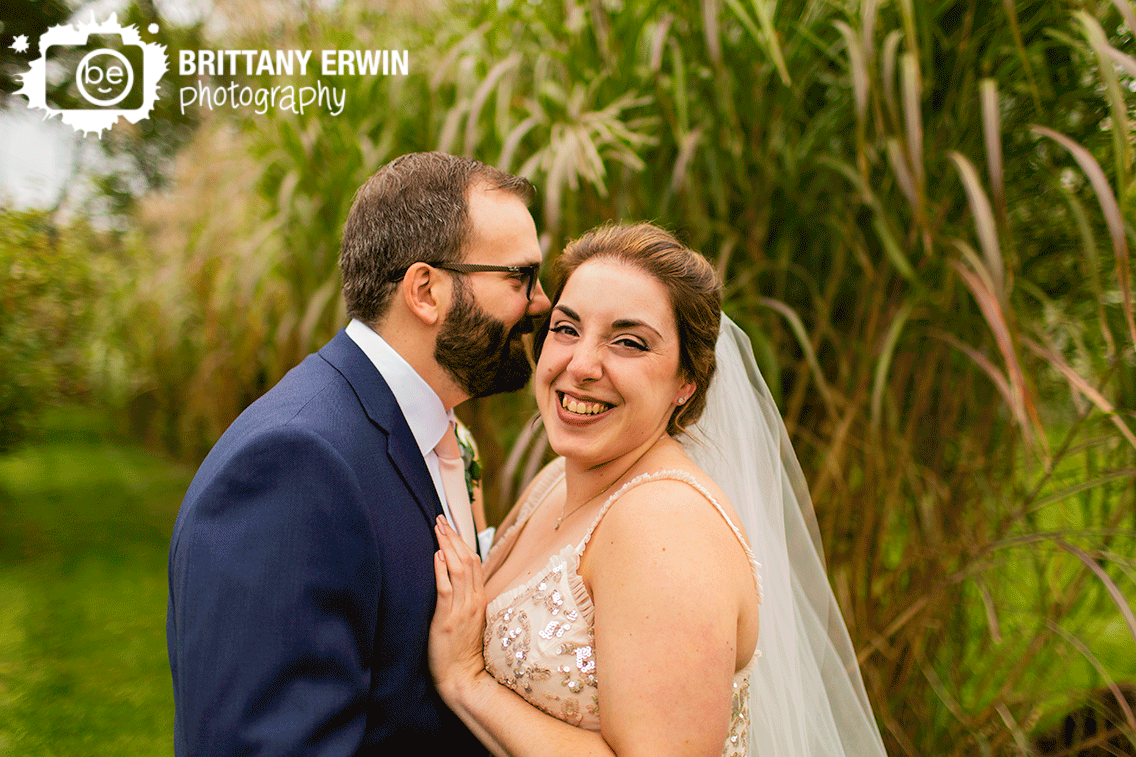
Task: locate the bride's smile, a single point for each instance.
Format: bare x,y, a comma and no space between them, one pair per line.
608,377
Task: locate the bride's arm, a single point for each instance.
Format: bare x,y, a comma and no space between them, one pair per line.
666,636
667,577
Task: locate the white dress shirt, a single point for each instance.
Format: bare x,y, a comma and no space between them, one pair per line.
420,405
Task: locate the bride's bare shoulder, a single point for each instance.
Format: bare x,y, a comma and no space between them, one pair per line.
666,517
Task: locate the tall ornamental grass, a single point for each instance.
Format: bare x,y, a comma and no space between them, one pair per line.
922,213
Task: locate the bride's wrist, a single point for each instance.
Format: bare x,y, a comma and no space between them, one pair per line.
460,692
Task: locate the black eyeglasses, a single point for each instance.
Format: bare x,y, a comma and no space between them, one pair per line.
530,272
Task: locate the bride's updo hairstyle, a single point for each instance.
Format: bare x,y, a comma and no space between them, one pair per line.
695,295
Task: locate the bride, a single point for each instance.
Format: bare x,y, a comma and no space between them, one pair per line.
626,612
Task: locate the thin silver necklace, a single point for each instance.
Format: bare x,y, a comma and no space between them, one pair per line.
563,515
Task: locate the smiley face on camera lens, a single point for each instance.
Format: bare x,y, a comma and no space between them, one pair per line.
104,77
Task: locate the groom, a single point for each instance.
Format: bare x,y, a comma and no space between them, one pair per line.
301,566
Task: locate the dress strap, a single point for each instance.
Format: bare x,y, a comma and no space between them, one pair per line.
686,478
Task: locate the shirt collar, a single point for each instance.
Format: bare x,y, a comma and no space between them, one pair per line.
419,403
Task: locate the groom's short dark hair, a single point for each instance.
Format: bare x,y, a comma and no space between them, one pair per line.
413,209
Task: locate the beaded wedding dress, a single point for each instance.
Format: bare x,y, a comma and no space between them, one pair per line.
538,635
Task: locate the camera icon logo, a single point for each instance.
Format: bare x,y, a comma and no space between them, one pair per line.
96,72
100,73
103,78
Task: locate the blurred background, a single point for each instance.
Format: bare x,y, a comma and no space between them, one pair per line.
922,211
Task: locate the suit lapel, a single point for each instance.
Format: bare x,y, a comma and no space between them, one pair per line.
381,407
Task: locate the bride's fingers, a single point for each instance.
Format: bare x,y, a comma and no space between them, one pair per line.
463,566
442,580
450,544
455,568
466,553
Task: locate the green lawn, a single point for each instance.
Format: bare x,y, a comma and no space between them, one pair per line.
84,531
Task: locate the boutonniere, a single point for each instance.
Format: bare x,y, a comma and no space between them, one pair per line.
469,459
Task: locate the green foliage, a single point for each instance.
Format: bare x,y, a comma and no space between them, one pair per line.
84,532
922,215
49,279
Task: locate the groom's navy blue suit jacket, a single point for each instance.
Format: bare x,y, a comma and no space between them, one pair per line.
302,578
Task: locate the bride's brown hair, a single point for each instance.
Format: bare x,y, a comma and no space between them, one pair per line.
695,298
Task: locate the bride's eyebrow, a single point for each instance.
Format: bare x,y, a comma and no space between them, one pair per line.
622,323
628,323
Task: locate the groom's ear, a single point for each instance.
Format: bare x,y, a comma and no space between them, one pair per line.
423,290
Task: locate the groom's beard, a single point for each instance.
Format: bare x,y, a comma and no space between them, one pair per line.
481,354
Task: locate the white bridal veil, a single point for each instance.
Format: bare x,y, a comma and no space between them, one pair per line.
807,697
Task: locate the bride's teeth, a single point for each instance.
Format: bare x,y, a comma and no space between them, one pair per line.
581,408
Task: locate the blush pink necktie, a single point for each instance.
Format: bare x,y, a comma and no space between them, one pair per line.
453,483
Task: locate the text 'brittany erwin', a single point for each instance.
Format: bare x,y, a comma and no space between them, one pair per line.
293,62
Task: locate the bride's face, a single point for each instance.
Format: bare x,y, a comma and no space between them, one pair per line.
608,376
